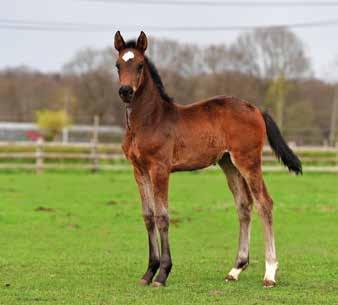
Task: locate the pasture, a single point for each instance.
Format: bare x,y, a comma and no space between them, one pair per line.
76,238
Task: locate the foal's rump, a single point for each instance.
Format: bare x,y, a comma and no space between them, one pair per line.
228,122
206,130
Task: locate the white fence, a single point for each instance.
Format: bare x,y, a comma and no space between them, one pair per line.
94,156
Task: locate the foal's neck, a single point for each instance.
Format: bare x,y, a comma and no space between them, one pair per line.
147,107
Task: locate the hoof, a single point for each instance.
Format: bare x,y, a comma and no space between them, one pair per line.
233,274
143,282
230,278
269,283
157,284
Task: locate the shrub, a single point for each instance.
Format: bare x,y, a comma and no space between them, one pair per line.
51,122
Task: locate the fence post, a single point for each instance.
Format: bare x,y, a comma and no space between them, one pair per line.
65,135
39,156
94,146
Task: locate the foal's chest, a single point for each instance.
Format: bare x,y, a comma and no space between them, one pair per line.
131,148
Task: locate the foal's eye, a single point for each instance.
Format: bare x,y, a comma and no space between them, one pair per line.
139,67
117,67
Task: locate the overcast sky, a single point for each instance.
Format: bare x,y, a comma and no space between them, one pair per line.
49,50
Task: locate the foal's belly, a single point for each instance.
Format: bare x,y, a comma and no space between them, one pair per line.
193,156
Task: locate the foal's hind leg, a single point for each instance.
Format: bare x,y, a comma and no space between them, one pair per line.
249,166
243,201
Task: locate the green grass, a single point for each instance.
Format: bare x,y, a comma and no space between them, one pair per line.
72,238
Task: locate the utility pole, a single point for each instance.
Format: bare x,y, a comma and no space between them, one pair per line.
334,110
65,131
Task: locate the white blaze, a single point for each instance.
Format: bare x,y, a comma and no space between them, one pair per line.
128,55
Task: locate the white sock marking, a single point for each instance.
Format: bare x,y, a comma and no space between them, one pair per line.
270,271
234,272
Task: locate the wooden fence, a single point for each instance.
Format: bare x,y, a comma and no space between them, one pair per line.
39,156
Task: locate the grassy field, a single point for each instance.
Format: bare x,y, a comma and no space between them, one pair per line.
72,238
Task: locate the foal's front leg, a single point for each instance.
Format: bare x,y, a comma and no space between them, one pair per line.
160,178
147,197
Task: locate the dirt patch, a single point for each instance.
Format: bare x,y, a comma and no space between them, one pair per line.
216,293
176,221
44,209
114,202
173,211
198,209
111,202
327,208
73,226
8,189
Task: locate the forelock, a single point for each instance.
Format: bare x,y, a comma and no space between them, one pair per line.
130,44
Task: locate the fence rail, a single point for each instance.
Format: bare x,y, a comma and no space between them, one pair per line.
39,156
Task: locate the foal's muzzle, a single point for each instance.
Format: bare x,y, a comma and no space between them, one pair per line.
126,93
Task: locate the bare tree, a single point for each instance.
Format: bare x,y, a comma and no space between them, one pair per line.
275,54
271,53
184,59
89,59
217,59
96,86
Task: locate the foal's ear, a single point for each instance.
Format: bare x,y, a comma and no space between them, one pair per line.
142,42
119,42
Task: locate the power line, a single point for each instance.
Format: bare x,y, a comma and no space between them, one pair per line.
29,25
227,3
51,25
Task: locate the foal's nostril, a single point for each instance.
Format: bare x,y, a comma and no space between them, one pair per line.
126,91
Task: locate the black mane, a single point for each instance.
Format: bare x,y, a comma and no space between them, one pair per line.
157,80
153,73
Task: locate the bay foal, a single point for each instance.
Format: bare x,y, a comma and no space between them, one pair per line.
163,137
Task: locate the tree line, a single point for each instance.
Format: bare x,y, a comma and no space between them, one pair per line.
268,67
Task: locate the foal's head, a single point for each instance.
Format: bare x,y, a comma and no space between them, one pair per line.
130,65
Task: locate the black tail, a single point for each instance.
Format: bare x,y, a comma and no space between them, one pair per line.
282,150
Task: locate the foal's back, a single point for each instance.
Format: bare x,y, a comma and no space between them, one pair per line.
206,130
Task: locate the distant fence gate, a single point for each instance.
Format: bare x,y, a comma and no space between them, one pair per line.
40,156
17,132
